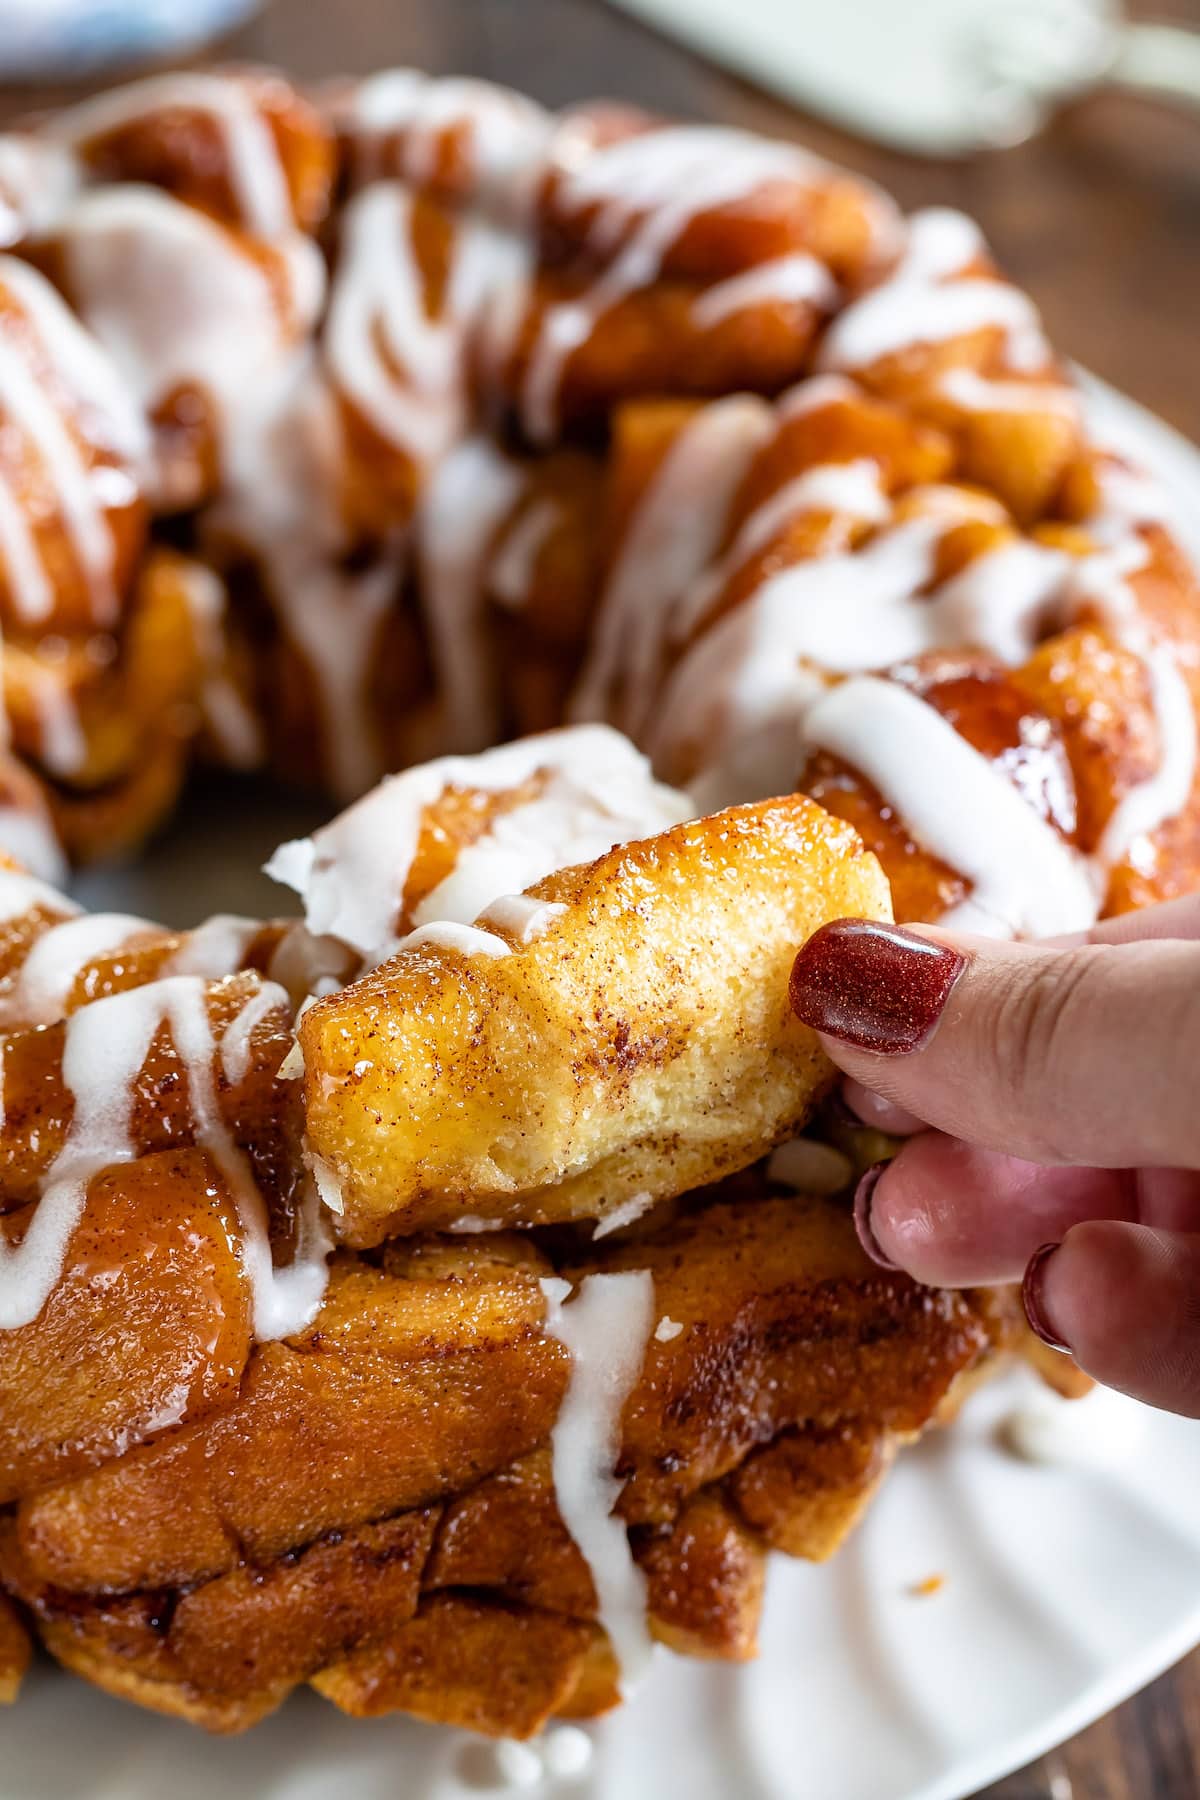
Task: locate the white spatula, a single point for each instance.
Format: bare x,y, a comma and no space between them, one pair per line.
937,77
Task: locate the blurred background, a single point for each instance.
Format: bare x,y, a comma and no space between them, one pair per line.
1096,212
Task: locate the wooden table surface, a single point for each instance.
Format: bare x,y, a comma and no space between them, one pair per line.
1099,218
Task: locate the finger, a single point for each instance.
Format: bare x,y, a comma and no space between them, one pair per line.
953,1215
1055,1056
875,1111
1125,1300
1179,919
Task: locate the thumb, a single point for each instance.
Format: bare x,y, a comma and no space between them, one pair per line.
1079,1055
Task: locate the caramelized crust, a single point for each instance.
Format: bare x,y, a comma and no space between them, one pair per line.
153,1259
208,1573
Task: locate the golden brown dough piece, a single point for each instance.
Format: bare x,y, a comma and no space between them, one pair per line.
857,539
415,1467
242,145
637,1046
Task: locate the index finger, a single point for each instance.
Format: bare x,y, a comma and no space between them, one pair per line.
1078,1056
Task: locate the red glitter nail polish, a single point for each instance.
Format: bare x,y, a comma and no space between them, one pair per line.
875,986
864,1194
1033,1300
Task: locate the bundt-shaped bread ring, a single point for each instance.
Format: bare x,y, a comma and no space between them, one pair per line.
432,1299
234,1465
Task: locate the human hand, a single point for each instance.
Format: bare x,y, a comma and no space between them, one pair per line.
1051,1094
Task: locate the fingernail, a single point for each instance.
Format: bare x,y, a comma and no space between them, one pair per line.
872,985
1034,1302
864,1193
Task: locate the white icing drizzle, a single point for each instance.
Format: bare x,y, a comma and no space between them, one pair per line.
627,1213
28,585
978,393
741,692
850,487
352,873
177,301
743,686
1101,582
921,303
79,372
673,535
57,959
1026,882
646,190
1165,793
256,174
507,135
576,818
325,1180
514,561
228,716
526,917
105,1047
471,493
62,743
21,893
815,392
36,181
237,1040
216,948
403,369
27,406
468,940
27,833
785,278
810,1167
605,1330
84,366
282,503
853,488
309,967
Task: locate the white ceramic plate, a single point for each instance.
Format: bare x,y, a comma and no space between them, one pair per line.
1064,1585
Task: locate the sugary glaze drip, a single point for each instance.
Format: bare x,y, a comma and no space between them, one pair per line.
106,1045
245,142
323,419
932,296
560,800
450,134
108,1037
583,790
641,194
51,372
726,665
401,366
471,494
184,305
605,1328
36,180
